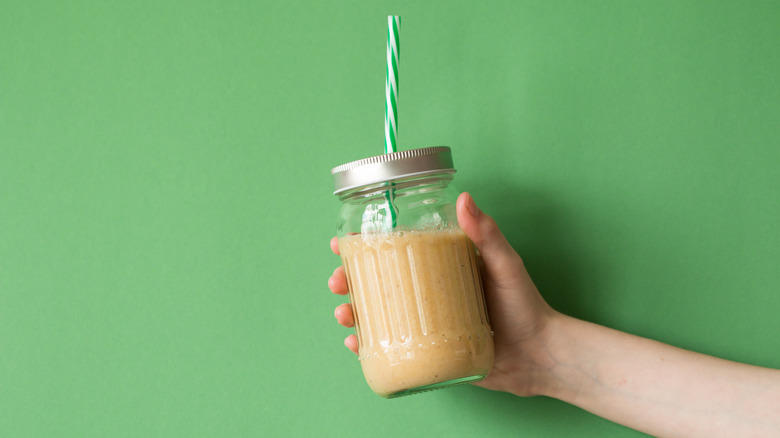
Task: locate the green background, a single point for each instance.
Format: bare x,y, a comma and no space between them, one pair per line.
165,197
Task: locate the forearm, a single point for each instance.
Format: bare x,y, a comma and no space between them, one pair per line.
654,387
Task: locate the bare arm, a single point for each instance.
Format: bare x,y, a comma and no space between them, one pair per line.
643,384
654,387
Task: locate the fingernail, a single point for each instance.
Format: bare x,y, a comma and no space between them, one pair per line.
472,206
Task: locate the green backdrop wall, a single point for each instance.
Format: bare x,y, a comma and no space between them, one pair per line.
165,197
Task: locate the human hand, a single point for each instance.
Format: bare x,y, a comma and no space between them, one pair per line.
518,313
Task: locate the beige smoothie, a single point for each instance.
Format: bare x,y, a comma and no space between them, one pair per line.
419,310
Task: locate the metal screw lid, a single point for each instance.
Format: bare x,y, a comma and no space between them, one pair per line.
388,167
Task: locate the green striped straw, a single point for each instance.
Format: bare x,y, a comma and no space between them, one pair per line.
391,84
391,100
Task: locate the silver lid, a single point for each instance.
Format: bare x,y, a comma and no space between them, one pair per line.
387,167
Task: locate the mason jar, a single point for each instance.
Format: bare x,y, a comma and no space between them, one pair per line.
414,285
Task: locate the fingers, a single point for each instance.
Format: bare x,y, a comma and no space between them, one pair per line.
481,228
501,260
343,314
351,343
337,283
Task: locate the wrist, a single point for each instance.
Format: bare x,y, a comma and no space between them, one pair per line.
529,367
547,368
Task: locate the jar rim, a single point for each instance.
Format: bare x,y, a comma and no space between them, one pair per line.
392,166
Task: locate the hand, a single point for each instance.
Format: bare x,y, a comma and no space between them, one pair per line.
518,314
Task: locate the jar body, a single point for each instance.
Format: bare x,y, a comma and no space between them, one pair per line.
414,285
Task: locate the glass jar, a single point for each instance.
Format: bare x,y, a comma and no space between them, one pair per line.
414,285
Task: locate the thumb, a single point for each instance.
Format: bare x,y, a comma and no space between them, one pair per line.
502,263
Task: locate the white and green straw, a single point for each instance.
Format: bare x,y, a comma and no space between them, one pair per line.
391,102
391,84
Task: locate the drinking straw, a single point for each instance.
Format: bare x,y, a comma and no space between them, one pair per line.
391,84
391,100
